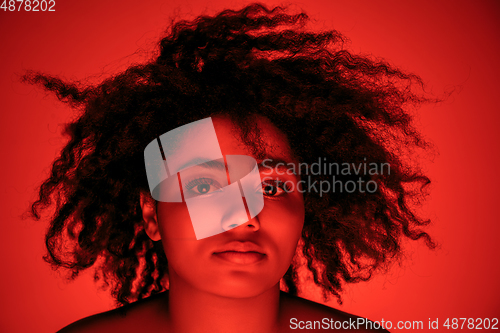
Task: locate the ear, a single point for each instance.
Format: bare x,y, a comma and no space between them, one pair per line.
148,206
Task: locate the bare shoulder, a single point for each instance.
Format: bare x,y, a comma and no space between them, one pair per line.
301,314
129,318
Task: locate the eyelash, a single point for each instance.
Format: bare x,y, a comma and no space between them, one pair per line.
279,184
201,181
284,186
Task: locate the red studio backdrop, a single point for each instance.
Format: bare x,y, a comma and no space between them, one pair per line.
452,45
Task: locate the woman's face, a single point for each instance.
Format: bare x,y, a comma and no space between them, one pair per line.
249,259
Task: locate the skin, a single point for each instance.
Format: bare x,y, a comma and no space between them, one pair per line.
213,289
274,232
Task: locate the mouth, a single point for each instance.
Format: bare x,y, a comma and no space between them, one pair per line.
240,258
241,253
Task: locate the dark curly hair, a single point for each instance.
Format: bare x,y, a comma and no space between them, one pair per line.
256,61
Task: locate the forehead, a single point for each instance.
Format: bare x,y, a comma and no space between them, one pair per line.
210,139
270,141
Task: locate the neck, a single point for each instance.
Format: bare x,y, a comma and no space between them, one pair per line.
192,310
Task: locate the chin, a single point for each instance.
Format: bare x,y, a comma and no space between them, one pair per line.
243,287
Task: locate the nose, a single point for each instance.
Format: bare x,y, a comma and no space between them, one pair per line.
233,219
254,223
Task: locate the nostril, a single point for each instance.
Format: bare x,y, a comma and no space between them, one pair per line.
254,224
233,220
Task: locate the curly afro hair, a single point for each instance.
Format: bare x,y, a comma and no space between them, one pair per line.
329,102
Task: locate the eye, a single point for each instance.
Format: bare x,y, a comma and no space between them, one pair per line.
201,186
274,188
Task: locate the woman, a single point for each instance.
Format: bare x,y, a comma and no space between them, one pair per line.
328,130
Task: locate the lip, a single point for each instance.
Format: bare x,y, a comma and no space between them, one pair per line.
239,246
241,253
240,258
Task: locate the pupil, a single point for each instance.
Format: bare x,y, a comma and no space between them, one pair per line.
203,188
270,190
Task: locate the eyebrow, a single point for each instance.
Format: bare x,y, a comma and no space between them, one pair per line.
273,163
269,164
212,164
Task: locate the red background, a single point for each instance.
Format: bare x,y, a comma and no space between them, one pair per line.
453,45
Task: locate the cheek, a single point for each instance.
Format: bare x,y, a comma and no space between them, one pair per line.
174,221
284,220
177,233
